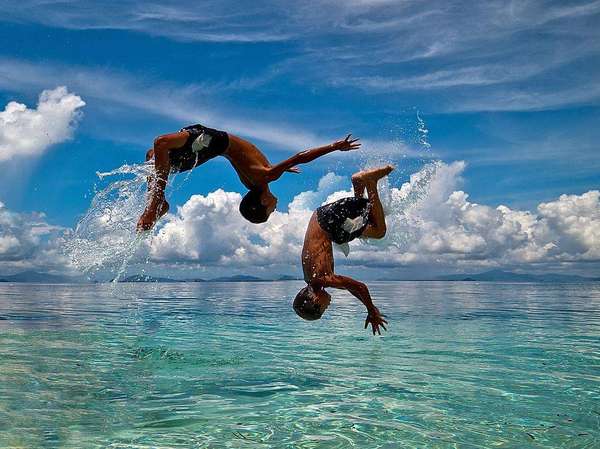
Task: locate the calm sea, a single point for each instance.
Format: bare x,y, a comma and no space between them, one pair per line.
229,365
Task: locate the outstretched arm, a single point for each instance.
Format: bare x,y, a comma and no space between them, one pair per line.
306,156
360,291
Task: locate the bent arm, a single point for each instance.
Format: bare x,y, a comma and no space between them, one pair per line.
356,288
359,290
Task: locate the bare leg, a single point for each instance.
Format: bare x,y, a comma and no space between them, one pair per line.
377,227
358,185
367,179
157,205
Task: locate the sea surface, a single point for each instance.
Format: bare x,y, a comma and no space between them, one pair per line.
229,365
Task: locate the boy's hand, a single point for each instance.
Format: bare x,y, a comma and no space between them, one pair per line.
347,144
376,319
293,170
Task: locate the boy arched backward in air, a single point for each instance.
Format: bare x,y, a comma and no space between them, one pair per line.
340,222
196,144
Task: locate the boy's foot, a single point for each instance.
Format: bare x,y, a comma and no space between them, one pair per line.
154,210
372,174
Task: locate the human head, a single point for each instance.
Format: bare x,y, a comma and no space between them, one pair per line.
257,205
310,304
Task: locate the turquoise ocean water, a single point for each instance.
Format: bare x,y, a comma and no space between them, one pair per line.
229,365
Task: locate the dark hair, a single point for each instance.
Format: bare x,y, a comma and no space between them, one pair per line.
252,209
306,306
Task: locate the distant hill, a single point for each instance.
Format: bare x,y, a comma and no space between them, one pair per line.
286,277
147,278
508,276
504,276
35,277
235,278
487,276
45,278
238,278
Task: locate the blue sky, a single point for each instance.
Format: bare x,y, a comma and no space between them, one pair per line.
510,88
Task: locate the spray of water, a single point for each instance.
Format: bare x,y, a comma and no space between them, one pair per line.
105,240
404,206
422,133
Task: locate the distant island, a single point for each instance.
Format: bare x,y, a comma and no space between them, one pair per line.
509,276
235,278
34,277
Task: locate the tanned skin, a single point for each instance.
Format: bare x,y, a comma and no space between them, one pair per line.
253,168
317,253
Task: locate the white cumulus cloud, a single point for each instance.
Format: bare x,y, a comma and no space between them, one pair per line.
429,221
431,224
210,230
30,132
27,241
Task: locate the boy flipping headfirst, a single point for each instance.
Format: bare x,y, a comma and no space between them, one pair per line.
341,222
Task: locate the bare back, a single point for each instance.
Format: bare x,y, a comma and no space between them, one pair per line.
248,161
317,252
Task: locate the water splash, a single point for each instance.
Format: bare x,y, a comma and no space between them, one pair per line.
105,240
404,205
422,133
134,246
408,207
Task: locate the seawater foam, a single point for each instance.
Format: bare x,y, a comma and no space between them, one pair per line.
105,240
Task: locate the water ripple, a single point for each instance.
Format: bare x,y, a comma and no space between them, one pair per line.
230,365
